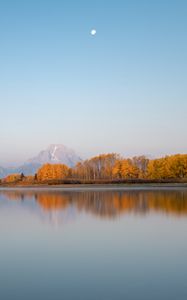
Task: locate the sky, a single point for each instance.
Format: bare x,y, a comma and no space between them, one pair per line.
122,90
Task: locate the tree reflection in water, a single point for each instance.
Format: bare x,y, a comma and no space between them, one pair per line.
107,204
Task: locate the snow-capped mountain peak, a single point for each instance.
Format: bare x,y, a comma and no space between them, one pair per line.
56,153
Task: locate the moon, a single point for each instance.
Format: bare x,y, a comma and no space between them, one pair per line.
93,32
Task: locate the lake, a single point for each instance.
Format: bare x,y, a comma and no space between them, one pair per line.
93,244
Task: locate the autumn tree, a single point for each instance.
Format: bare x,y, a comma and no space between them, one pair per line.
12,178
98,167
52,171
141,163
174,166
128,169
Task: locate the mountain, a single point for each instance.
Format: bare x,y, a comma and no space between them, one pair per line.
3,172
27,169
54,154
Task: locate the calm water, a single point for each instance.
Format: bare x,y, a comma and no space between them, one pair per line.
93,244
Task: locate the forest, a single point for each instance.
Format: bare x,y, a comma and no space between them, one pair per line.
109,168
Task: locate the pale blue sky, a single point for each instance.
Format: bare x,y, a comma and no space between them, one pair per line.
123,90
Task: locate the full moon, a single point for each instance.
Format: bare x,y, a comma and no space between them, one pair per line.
93,32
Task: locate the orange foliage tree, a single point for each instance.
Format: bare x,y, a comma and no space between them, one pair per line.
52,171
12,178
174,166
125,169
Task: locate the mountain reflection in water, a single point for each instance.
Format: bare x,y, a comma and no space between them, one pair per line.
105,204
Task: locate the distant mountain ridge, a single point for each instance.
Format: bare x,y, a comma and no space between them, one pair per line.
54,154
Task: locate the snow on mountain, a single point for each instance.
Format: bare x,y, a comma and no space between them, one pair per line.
56,154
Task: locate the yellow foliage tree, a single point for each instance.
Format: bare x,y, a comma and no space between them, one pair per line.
128,169
12,178
174,166
52,171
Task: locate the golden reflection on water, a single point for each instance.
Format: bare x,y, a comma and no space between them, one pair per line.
107,204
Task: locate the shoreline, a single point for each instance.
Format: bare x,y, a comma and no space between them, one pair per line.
85,187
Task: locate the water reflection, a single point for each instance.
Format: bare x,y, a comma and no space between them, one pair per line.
105,204
115,244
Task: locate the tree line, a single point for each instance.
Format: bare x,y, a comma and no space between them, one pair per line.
111,167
